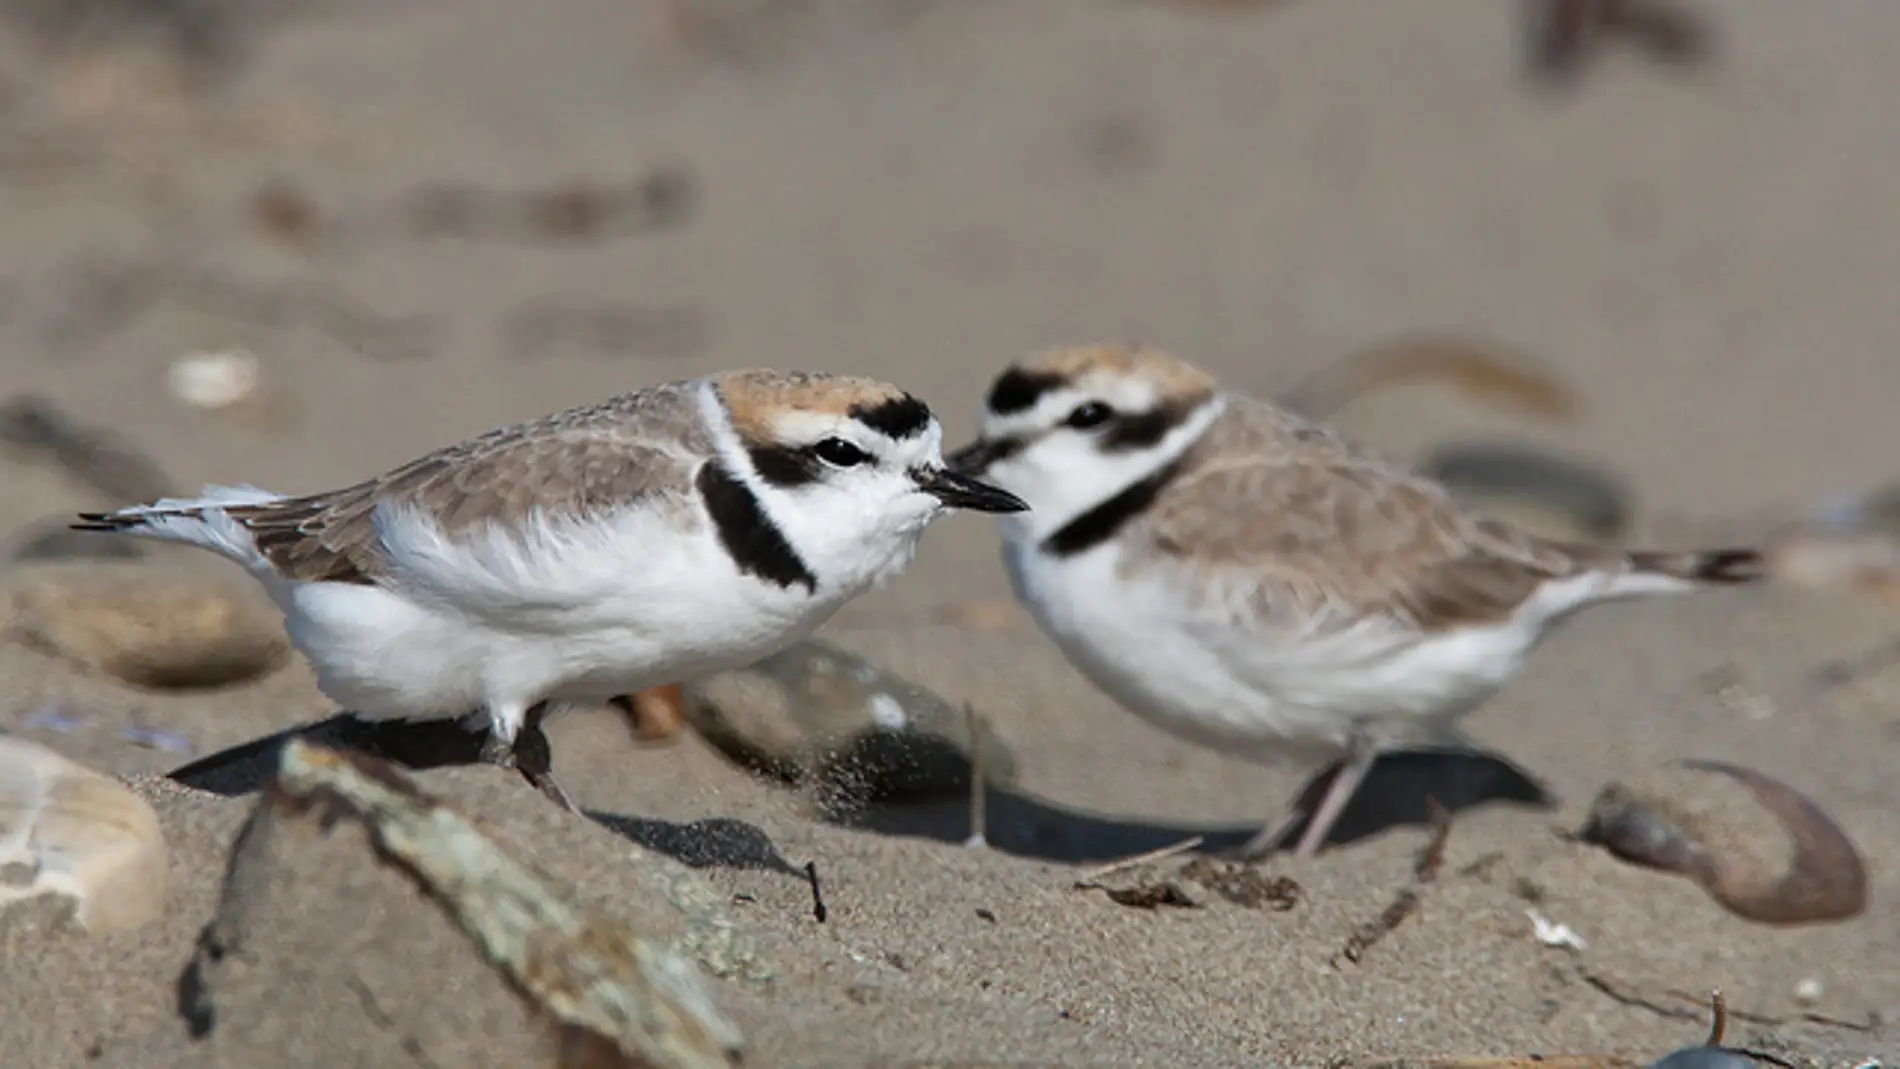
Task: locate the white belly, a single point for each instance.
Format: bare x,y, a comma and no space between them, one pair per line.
682,611
1250,690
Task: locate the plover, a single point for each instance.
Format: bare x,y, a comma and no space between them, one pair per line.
1247,579
671,532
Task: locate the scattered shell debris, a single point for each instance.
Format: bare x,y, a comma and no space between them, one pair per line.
1553,934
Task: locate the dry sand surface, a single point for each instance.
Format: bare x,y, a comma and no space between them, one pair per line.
923,189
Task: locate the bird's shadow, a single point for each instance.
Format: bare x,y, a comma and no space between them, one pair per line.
1399,791
715,842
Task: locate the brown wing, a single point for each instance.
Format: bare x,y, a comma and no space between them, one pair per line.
1310,532
576,471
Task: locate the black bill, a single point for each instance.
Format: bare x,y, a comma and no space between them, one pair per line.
962,492
976,458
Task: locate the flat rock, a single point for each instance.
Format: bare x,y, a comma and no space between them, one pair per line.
143,626
366,923
67,832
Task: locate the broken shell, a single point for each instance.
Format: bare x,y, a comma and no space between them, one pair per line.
815,711
66,830
141,627
213,379
1547,493
1757,846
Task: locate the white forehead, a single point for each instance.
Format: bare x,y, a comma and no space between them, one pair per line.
801,426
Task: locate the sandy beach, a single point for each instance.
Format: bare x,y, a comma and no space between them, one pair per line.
417,221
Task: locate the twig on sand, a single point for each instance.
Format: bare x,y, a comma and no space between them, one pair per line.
1092,878
818,910
1718,1017
1432,858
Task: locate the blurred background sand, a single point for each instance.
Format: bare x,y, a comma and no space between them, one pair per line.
925,189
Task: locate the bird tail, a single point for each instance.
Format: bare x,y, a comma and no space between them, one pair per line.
1724,567
202,521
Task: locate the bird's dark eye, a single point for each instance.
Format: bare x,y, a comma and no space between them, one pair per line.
1089,414
839,453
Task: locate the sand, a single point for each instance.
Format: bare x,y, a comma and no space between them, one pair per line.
923,190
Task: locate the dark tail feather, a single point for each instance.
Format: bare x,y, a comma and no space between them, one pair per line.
1727,566
105,521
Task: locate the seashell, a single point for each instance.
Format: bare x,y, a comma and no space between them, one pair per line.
213,379
1757,846
816,711
66,830
142,627
1545,493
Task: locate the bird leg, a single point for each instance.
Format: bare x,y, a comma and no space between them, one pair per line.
529,754
1334,787
1352,772
652,715
534,759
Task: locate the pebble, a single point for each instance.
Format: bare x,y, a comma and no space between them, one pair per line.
818,712
141,626
1551,495
1756,845
70,832
1705,1058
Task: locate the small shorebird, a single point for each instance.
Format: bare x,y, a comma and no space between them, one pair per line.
1247,579
671,532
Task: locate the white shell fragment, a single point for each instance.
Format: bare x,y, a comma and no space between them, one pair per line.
213,379
66,830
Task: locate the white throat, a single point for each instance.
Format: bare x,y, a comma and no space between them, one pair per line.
1063,476
849,541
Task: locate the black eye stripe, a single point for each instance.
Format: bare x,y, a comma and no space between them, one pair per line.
1016,390
1141,430
785,466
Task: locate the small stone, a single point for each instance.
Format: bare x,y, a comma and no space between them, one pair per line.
1807,991
1759,847
1551,495
69,832
818,712
143,627
1705,1058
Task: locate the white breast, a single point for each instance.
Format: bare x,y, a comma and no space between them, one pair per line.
1223,682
